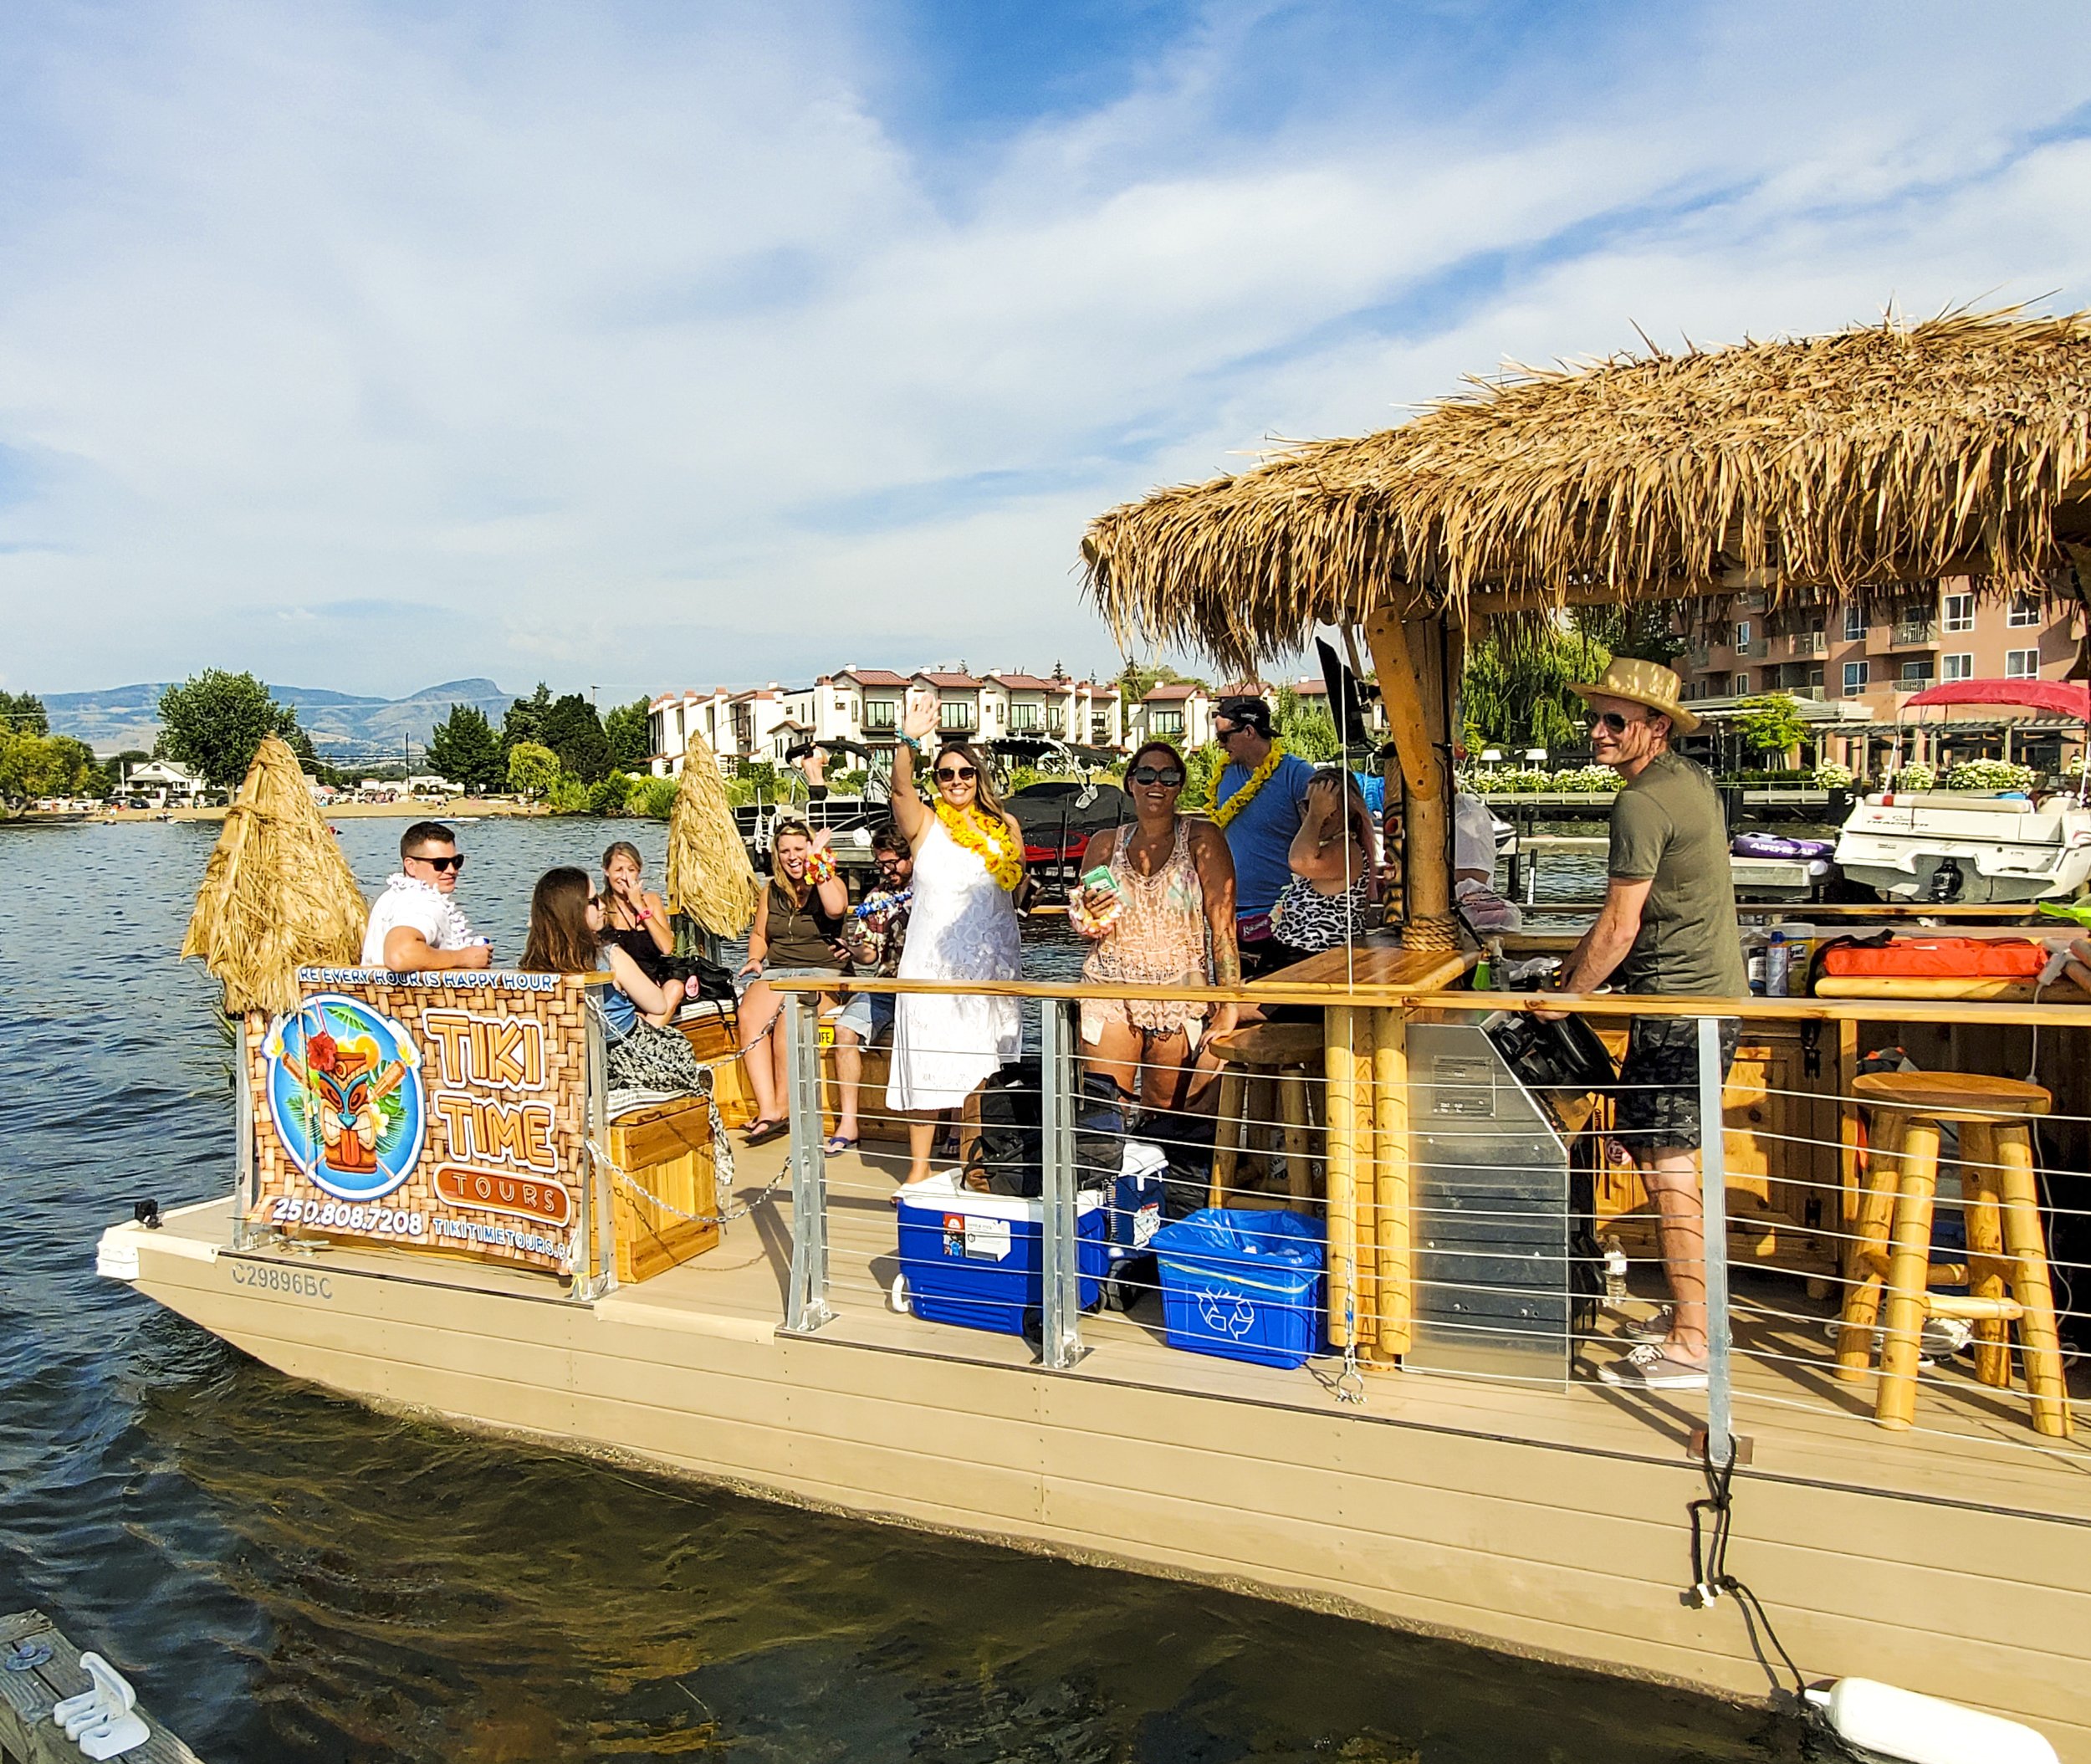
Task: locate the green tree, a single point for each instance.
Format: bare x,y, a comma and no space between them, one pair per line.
525,719
573,731
24,713
1306,728
567,796
1770,723
629,730
654,797
533,770
464,749
1515,691
32,765
611,795
1201,768
213,721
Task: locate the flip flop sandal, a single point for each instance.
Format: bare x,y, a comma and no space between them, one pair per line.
761,1132
835,1144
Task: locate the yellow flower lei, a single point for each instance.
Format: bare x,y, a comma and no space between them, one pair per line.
1243,797
974,830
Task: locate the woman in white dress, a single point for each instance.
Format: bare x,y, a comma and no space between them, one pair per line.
969,866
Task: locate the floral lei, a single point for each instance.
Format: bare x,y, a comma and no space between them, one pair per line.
974,830
1243,797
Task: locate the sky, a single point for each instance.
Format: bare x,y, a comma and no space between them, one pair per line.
658,345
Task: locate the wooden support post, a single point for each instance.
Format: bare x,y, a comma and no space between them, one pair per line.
1227,1140
1396,1292
1986,1267
1909,1256
1405,657
1299,1145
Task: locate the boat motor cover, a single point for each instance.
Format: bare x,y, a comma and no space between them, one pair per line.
1932,958
1566,1056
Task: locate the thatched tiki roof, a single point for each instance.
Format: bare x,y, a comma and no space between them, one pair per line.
278,895
1813,467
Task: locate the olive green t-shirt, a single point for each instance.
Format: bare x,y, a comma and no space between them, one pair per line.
1667,829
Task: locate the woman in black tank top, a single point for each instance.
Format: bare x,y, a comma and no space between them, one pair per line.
637,923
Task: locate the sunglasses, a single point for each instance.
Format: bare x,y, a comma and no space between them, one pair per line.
1162,775
456,862
956,774
1225,735
1611,721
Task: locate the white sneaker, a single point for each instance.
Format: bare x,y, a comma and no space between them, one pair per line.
1648,1367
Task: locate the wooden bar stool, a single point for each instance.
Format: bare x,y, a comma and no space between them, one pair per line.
1267,1060
1891,1259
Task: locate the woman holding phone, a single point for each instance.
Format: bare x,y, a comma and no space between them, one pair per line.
1159,901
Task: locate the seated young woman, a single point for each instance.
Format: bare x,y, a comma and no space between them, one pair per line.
1333,860
1166,917
797,935
567,924
636,921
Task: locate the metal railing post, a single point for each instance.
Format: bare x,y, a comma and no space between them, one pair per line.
1713,1186
807,1307
245,1175
594,1257
1060,1251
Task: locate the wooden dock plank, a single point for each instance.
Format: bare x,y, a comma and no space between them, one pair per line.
27,1733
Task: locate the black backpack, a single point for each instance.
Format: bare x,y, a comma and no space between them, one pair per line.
1008,1154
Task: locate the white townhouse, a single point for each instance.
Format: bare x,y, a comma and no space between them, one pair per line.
674,717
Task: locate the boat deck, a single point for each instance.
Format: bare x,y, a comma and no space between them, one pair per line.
1954,1558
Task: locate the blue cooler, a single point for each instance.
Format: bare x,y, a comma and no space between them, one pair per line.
1242,1283
975,1260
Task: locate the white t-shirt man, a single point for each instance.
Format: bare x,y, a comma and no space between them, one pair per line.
1474,867
410,905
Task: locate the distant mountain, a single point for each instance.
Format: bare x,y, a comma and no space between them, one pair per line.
344,727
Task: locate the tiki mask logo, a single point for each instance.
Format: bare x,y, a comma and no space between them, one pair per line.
344,1091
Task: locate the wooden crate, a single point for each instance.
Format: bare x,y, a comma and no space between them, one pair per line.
668,1151
710,1032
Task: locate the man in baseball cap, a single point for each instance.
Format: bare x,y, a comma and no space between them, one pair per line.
1256,801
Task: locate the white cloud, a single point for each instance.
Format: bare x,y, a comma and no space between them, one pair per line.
642,358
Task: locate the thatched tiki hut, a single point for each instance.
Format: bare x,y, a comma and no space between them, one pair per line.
1813,469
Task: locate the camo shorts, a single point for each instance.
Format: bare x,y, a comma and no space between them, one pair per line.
1659,1083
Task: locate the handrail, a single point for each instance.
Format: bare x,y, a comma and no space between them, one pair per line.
1375,997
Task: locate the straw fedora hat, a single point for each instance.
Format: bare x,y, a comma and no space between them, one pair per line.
1642,682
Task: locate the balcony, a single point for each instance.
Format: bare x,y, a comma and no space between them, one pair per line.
1913,633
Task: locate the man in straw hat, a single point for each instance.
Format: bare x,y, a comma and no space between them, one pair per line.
1669,927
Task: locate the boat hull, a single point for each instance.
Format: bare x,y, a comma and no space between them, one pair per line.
1540,1522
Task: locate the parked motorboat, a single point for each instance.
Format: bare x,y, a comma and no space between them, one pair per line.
1967,847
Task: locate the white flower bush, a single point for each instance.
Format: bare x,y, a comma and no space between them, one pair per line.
1829,775
1527,780
1915,776
1990,774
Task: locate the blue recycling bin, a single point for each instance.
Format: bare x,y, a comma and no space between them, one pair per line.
1243,1283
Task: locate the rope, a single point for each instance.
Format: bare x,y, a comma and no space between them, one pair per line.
1440,934
1710,1578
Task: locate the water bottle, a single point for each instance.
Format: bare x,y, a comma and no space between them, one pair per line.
1775,958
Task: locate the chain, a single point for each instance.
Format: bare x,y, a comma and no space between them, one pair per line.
722,1175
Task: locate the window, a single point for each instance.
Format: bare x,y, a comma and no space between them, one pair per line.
880,714
1854,625
1740,686
1916,675
1960,668
2025,612
1056,717
1165,723
954,714
1023,716
1100,729
841,704
2022,664
1856,675
1960,612
1742,637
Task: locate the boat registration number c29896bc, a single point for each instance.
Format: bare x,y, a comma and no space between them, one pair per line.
293,1282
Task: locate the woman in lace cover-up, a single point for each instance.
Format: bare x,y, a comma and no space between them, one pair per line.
968,865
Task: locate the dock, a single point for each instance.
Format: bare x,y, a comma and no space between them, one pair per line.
39,1669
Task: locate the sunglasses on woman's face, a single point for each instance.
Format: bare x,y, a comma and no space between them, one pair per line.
1162,775
457,862
1611,722
956,774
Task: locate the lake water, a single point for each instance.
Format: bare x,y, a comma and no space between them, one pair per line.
291,1578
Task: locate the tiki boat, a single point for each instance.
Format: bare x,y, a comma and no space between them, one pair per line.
1395,1416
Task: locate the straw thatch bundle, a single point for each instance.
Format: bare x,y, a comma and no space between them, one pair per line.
1813,467
710,877
277,895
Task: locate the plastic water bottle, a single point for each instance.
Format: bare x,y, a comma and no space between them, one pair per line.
1775,956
